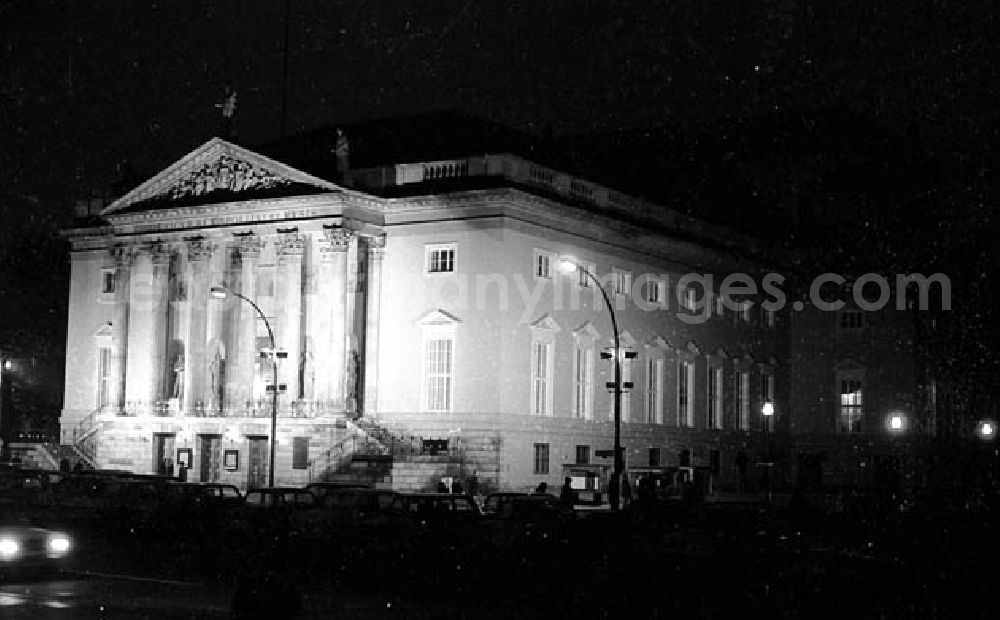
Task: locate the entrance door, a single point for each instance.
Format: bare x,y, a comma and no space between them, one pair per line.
256,462
163,454
210,458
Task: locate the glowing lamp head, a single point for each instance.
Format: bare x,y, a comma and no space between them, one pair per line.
219,293
567,266
987,429
896,423
767,409
59,544
7,364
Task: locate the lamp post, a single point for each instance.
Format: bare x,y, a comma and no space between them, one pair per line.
767,411
5,364
221,292
569,266
897,427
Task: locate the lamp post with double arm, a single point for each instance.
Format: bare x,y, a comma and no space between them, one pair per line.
221,292
569,266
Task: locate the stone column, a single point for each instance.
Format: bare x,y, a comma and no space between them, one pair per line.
288,297
215,332
159,254
138,377
373,292
195,364
352,342
124,256
330,336
247,353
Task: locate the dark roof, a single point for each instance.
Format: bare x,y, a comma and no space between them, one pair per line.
427,136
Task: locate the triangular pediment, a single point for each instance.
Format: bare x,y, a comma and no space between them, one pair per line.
104,331
217,170
438,318
587,330
546,322
659,342
625,339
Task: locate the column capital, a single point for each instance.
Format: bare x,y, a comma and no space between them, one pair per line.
159,253
376,247
200,249
335,240
249,246
123,254
291,246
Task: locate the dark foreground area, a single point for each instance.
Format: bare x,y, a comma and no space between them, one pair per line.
874,560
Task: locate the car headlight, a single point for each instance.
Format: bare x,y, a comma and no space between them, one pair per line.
59,544
8,547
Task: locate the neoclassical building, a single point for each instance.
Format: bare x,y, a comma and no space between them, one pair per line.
416,305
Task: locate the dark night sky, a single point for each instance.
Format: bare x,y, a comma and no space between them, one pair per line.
86,85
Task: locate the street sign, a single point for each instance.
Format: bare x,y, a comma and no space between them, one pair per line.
281,388
607,454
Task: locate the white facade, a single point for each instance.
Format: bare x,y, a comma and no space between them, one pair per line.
433,316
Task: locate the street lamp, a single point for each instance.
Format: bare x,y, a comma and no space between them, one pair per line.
767,410
221,292
986,430
569,266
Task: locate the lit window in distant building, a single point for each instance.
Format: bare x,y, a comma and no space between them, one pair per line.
851,319
583,382
768,318
767,395
582,455
103,376
720,307
440,259
541,378
685,394
543,264
743,400
745,314
107,281
654,391
714,397
851,404
622,282
438,369
541,459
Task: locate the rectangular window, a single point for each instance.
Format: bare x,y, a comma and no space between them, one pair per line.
654,457
541,458
543,264
300,452
714,398
103,376
583,383
685,392
107,281
767,396
743,400
851,319
438,368
440,259
626,365
582,455
654,291
622,282
541,378
654,391
851,404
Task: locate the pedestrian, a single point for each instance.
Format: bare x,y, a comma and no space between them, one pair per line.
542,488
64,465
626,493
456,487
442,487
473,483
566,494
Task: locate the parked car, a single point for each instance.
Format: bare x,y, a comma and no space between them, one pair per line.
535,517
320,489
280,497
436,509
345,508
494,503
26,547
